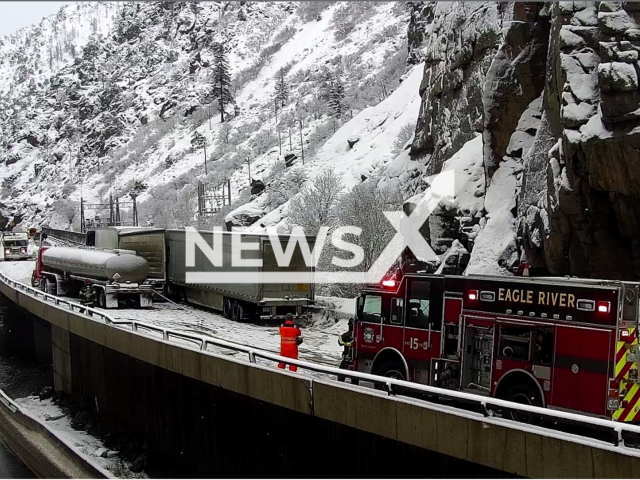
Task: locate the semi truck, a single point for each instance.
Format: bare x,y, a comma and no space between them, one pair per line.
239,301
116,275
15,246
164,251
147,242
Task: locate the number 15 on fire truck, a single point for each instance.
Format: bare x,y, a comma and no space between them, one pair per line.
567,344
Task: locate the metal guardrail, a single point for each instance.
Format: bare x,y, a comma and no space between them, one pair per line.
73,237
392,386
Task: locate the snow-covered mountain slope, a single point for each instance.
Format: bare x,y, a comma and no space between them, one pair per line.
372,133
128,106
31,55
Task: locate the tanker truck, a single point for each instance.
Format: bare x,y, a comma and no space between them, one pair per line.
118,276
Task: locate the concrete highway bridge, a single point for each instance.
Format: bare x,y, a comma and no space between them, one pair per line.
238,415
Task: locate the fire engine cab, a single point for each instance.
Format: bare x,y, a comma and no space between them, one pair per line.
562,343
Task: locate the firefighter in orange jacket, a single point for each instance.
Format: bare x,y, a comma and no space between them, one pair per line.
290,338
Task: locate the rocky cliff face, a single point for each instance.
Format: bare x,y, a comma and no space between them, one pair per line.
554,93
586,223
460,41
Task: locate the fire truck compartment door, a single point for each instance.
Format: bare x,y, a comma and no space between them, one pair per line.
581,369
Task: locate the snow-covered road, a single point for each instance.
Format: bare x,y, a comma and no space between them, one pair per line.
320,339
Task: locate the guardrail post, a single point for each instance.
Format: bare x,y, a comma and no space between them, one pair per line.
388,384
618,440
165,335
252,356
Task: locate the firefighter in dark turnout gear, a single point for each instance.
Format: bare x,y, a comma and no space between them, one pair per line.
88,294
345,340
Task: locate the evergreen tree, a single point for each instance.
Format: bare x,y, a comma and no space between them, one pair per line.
221,78
282,88
336,96
198,140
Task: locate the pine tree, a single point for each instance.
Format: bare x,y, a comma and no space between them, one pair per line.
336,96
282,88
221,78
199,141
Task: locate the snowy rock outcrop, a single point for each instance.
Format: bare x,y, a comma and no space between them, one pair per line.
586,221
515,79
461,39
560,123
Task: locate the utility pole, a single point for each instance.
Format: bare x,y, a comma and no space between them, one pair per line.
83,227
229,189
279,142
205,159
249,168
301,145
135,212
111,209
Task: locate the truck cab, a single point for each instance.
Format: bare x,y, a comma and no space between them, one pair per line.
14,246
399,327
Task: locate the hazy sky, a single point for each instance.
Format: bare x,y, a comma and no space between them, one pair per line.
15,15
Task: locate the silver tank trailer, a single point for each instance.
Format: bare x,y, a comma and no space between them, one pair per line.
96,264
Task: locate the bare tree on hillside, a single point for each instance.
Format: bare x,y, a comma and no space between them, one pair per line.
315,206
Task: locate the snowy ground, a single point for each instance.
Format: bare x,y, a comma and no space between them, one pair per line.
86,445
320,339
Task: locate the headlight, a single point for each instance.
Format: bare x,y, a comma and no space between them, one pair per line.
7,250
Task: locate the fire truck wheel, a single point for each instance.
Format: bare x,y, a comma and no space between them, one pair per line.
525,394
390,369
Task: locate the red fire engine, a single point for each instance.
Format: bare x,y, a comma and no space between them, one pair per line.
567,344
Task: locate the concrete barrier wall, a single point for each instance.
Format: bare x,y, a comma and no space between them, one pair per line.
94,359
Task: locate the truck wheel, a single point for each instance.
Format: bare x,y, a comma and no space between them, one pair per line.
391,369
525,394
50,286
33,280
102,299
235,311
240,312
226,308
